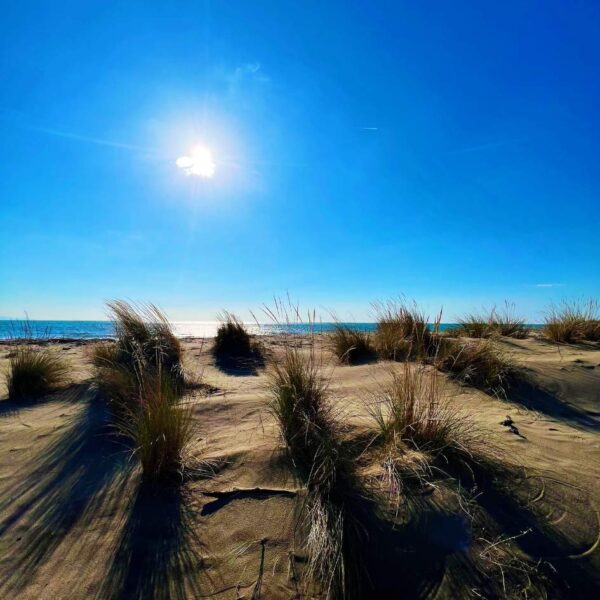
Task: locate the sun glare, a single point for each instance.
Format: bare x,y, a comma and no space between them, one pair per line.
199,162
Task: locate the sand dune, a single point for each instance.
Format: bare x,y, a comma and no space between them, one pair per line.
75,522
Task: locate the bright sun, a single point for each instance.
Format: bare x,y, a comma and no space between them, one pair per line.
199,162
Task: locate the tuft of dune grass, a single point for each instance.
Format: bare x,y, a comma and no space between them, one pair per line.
402,331
145,343
141,375
414,409
34,370
505,322
573,321
312,436
159,427
233,344
479,363
351,346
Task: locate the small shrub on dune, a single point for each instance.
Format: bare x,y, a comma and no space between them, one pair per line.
159,427
403,332
34,372
233,345
479,363
350,345
573,321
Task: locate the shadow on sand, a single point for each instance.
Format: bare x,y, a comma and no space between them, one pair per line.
241,366
158,553
525,390
69,480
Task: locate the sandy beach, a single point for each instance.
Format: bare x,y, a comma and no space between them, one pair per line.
75,522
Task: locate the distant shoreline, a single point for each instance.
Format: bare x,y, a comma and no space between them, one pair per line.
77,331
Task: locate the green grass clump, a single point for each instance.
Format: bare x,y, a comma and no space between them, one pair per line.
350,345
402,331
159,427
503,322
35,371
573,321
479,363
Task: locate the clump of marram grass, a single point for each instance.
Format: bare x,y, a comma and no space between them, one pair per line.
141,375
233,345
159,427
34,368
417,425
35,371
144,333
573,321
402,331
350,345
503,322
145,344
312,437
414,409
479,363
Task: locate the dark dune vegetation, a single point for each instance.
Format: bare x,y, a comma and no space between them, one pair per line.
233,348
420,486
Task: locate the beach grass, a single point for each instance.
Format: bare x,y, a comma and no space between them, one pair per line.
159,427
312,436
350,345
480,363
402,331
233,345
35,371
573,321
415,410
141,375
504,322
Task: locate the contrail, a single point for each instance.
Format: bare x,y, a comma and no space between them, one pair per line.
89,140
370,128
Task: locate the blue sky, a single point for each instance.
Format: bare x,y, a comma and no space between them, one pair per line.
447,151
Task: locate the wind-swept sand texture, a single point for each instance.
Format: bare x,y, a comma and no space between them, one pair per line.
76,523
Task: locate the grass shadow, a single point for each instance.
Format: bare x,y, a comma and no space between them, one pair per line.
504,510
158,552
241,366
523,390
71,480
70,393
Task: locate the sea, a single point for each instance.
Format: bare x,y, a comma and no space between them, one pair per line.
91,330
